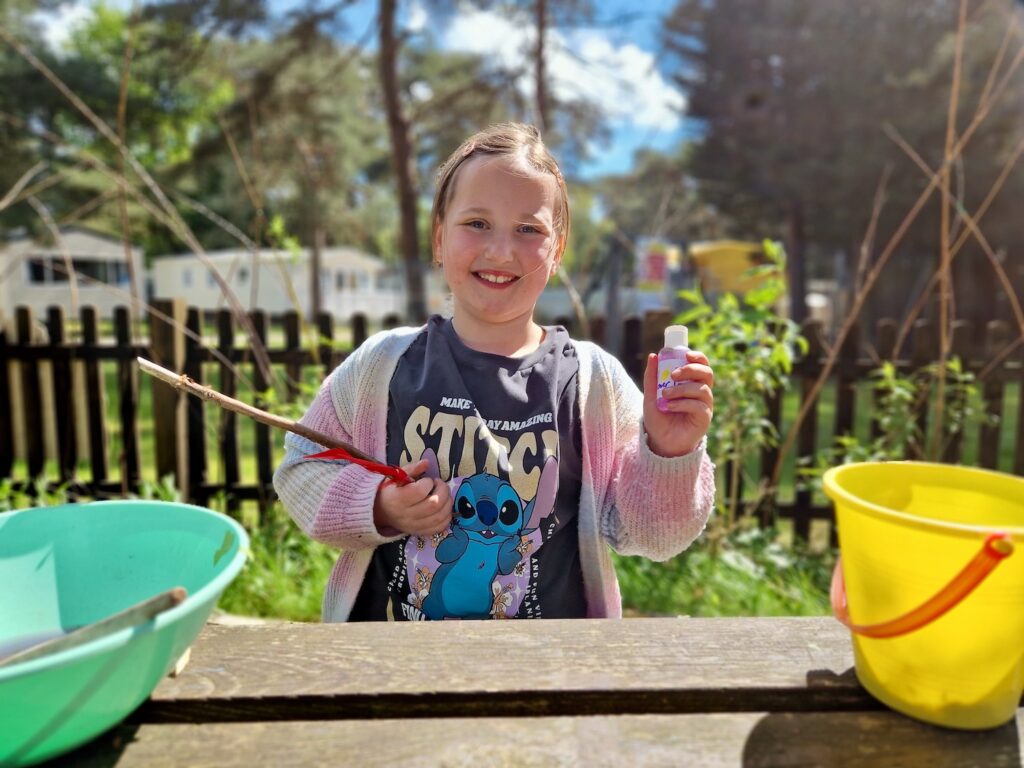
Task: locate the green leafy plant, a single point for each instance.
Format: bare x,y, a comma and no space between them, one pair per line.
900,399
752,347
285,575
754,575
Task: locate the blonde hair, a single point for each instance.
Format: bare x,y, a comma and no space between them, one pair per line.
518,140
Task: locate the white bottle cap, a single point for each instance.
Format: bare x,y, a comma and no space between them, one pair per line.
676,336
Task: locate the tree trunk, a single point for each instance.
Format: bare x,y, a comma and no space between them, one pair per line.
541,10
402,162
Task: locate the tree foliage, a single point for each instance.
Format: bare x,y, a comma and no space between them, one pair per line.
801,99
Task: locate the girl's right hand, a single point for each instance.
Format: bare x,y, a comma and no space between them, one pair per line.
421,508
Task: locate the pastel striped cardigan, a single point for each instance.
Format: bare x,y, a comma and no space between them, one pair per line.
637,502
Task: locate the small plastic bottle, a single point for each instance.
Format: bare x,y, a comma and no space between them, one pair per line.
670,357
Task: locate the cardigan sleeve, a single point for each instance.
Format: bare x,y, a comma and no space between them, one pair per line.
654,506
332,501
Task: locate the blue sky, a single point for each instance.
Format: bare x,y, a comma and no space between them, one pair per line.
614,63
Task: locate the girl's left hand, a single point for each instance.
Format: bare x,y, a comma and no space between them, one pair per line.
691,402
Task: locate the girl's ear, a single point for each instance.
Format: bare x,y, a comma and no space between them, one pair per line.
435,242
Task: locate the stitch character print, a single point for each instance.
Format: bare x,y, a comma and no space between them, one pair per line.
481,568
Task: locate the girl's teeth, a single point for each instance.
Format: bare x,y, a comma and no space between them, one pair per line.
497,278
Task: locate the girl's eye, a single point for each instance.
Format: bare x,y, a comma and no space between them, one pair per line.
475,224
530,229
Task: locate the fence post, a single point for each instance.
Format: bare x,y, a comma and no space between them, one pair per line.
264,457
360,333
94,397
128,396
597,330
63,399
807,437
846,382
962,333
632,339
228,432
924,346
195,437
886,334
31,398
6,411
325,330
167,346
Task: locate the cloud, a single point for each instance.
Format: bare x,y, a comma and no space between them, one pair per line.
621,79
418,17
58,24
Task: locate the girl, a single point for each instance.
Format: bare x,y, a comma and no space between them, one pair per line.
532,452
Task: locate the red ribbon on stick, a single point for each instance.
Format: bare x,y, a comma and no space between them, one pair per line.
397,474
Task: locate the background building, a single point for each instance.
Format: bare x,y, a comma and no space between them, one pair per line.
36,275
278,281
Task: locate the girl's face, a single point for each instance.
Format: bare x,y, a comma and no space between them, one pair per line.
497,244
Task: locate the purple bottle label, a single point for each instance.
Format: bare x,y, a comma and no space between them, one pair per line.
668,360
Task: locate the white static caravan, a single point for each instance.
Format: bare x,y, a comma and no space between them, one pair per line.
350,281
36,275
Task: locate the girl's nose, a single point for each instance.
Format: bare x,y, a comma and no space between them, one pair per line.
500,248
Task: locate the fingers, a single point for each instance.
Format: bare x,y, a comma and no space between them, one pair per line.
422,507
416,468
651,376
688,397
696,368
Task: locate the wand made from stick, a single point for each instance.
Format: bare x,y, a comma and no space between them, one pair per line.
338,448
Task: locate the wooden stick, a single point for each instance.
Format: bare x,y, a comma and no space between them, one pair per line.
139,613
190,385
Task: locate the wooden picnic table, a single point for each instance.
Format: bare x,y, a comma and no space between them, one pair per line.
636,692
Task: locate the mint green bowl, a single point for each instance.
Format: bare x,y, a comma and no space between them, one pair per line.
63,567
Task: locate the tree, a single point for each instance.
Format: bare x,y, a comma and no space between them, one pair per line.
795,96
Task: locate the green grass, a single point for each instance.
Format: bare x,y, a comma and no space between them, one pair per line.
753,575
285,575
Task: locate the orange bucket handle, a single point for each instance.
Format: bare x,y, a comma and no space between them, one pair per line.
996,548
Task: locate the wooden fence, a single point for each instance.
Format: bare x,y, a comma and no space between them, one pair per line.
54,396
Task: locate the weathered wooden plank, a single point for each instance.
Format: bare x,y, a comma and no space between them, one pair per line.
542,667
751,740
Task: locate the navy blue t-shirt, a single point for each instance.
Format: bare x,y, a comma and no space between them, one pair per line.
505,433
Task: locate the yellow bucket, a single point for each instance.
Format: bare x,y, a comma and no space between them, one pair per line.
929,589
